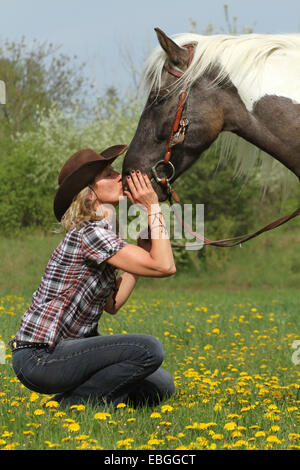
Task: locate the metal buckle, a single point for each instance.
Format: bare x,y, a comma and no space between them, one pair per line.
154,171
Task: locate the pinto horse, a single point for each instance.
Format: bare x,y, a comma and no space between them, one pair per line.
200,86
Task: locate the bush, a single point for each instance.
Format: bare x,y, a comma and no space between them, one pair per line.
30,167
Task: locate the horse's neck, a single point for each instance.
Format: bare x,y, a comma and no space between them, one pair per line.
260,127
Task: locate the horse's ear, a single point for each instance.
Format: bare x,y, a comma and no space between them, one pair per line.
176,54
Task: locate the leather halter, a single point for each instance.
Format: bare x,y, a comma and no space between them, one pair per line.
176,136
177,132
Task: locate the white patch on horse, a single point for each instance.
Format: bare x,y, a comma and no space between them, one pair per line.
257,64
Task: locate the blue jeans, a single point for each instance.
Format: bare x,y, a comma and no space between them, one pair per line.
101,369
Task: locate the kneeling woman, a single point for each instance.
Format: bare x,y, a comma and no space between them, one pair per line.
57,348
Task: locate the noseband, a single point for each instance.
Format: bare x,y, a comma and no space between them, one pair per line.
177,133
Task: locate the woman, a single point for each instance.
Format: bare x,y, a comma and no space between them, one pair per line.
57,348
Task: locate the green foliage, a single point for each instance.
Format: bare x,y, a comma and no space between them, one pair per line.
23,203
228,206
35,76
30,167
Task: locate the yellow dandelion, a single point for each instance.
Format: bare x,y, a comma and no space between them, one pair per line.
202,441
260,434
11,446
101,416
121,405
217,437
51,444
155,442
274,428
218,407
273,439
82,437
77,407
239,443
166,408
171,438
52,404
155,415
39,412
124,443
34,396
74,427
294,437
230,426
236,434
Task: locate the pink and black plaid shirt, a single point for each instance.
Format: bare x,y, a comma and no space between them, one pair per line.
75,286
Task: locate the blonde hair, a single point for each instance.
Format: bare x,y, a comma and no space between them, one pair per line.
81,209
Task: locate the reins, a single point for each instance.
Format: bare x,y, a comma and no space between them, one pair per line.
176,136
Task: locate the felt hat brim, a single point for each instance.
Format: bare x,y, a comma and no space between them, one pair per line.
82,177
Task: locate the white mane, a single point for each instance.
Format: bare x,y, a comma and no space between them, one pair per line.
256,64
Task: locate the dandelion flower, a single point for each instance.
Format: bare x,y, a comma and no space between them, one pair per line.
34,396
52,404
155,442
166,408
230,426
121,405
73,427
77,407
273,439
155,415
124,443
101,416
260,434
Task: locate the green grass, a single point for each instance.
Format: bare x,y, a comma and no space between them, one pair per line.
230,354
269,261
227,329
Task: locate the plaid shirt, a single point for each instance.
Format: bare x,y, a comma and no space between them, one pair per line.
74,288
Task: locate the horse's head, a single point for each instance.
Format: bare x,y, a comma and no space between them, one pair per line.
201,119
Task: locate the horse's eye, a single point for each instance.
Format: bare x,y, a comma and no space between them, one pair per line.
160,99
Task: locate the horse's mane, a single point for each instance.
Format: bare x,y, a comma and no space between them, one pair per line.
243,60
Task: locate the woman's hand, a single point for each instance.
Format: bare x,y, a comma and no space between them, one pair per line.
141,190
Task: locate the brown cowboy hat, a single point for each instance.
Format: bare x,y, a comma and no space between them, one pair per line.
79,171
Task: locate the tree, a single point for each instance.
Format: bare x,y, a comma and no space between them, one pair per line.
36,77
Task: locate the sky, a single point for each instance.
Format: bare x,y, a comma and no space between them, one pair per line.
115,36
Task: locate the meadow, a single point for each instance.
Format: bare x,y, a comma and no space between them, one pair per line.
229,348
230,355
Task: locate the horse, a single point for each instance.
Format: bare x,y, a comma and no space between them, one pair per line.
200,88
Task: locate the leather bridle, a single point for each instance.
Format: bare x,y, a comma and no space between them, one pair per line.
176,136
177,132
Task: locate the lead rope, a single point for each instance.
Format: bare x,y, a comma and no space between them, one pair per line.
224,243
